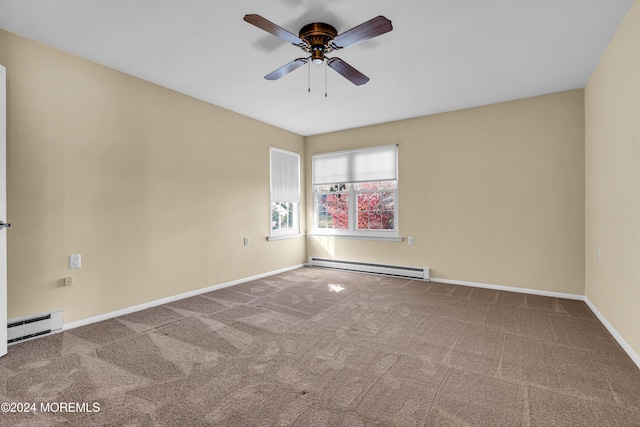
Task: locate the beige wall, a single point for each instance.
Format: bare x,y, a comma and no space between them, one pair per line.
156,190
612,105
492,194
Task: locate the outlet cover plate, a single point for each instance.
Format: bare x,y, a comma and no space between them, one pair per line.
75,261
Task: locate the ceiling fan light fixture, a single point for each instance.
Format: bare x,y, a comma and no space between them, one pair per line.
317,55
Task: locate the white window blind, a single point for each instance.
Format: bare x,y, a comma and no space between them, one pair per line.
369,164
285,176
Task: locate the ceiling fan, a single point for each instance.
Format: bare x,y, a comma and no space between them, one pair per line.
318,39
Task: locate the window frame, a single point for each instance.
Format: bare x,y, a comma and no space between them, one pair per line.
293,231
353,231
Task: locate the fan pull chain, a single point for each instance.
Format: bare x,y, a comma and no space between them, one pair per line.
325,77
309,77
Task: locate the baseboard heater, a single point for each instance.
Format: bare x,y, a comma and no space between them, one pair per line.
26,328
422,273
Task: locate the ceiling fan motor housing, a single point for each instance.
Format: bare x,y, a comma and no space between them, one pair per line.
318,35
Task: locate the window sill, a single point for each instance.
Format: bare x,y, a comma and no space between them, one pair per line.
356,237
285,237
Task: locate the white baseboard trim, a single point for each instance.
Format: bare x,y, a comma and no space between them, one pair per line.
616,335
150,304
510,289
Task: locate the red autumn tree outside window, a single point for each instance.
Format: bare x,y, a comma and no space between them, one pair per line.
375,206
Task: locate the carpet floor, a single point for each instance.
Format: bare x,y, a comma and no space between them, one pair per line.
318,347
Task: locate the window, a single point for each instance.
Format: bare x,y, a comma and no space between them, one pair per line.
285,193
355,192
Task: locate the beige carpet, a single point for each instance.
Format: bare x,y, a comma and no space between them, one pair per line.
289,350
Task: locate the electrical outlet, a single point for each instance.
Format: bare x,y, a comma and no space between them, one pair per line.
411,241
68,281
75,261
246,241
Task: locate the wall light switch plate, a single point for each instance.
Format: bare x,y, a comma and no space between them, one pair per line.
75,261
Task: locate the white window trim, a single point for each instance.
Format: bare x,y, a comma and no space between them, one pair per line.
358,237
280,234
285,237
352,231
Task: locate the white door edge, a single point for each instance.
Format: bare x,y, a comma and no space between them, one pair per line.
3,210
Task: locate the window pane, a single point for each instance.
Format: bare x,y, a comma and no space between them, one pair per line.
363,202
276,213
363,220
340,211
375,199
289,219
333,210
323,216
375,185
332,188
387,201
284,216
388,220
375,220
375,208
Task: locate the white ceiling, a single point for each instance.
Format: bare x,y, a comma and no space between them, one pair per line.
442,55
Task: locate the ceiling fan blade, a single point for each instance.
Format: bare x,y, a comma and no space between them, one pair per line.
347,71
370,29
272,28
286,69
